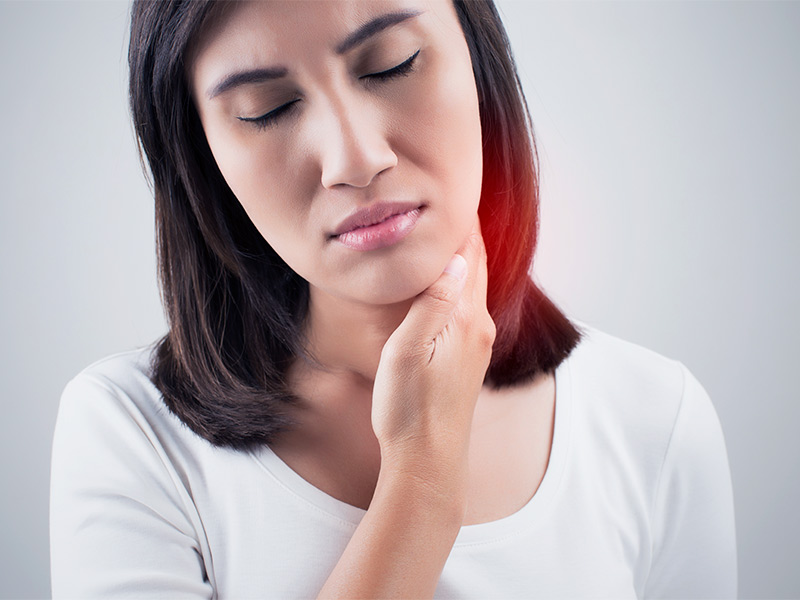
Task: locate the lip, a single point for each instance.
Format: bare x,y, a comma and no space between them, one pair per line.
378,225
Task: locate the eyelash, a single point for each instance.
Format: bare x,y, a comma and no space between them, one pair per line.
401,70
271,118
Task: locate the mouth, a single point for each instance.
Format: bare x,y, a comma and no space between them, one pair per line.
378,226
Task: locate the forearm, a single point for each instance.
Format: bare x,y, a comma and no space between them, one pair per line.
402,543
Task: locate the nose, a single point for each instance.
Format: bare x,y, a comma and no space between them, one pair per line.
353,145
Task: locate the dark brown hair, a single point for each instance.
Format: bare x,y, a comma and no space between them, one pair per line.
235,309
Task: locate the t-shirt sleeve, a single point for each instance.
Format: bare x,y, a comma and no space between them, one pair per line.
694,552
119,524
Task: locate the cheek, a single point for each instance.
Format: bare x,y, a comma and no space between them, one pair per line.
450,142
265,188
464,151
442,127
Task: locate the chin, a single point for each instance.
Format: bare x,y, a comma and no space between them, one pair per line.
394,286
397,290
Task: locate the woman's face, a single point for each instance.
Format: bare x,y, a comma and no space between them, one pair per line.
328,115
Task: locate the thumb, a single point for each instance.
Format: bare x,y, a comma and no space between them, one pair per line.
432,309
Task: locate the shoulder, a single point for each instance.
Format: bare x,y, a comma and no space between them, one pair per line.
633,383
645,430
113,407
647,412
115,439
113,393
121,374
613,361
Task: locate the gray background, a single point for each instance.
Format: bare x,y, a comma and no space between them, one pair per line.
670,146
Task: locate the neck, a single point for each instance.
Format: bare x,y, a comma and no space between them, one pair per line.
346,338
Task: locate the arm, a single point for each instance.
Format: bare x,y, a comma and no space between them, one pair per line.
430,374
401,544
694,554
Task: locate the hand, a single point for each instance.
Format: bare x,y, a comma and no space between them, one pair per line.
432,367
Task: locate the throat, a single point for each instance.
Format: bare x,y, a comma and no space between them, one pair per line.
344,338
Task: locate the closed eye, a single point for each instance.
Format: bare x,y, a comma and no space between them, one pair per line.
272,117
404,68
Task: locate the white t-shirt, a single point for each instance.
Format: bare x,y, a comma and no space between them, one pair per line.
636,500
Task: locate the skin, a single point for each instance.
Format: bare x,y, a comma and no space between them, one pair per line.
395,418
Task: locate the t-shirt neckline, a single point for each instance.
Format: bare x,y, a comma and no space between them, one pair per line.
534,511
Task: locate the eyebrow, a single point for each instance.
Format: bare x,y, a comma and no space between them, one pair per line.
373,27
356,38
242,77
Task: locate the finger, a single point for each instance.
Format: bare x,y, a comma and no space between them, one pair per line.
474,251
482,274
433,308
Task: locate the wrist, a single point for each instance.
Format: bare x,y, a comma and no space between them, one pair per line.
437,479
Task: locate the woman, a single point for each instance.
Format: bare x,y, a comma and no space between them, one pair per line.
362,393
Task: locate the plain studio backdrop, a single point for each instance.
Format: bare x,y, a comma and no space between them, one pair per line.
669,138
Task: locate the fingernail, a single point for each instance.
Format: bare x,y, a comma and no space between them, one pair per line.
457,267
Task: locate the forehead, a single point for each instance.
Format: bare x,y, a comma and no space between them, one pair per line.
257,32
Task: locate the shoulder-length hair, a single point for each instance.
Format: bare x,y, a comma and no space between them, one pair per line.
235,309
